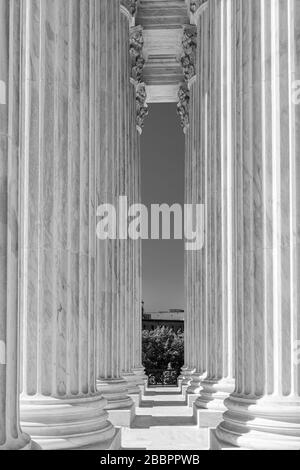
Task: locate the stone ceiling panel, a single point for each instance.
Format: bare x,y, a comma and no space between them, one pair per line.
163,22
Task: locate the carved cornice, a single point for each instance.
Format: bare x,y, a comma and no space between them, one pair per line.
183,106
136,53
188,58
142,109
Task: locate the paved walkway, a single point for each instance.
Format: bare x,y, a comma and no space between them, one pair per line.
164,422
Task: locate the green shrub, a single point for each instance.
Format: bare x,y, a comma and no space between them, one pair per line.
163,349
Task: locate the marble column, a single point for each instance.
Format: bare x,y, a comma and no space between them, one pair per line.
264,410
198,125
188,369
113,387
195,328
214,22
135,382
62,102
132,65
128,9
139,113
186,108
11,436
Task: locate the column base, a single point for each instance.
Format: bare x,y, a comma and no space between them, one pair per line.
261,424
214,393
134,384
191,398
56,424
123,417
142,377
216,444
185,379
115,443
186,376
23,442
195,388
182,375
209,419
120,407
115,392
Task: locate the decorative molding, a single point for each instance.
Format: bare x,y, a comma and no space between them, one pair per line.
188,63
183,106
188,58
137,66
136,53
142,109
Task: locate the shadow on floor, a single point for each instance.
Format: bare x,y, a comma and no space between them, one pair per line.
141,422
164,422
152,404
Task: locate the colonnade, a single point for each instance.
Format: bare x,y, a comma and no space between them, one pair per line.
72,105
245,145
70,325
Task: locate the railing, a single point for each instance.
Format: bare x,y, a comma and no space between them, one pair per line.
162,378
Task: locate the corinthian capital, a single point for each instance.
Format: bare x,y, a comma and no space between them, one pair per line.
142,109
183,106
188,58
130,5
136,53
196,4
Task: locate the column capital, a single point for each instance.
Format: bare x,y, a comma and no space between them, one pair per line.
137,66
136,53
129,7
142,109
183,106
189,46
195,8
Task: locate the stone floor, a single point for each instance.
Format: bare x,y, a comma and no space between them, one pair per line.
164,422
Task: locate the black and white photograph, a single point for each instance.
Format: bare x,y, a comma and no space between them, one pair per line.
149,229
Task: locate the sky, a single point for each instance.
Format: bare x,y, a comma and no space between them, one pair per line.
162,150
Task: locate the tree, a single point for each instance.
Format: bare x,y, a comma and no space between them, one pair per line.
163,349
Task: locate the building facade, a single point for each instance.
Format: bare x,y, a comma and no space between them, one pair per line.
76,80
172,319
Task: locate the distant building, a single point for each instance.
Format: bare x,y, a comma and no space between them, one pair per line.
173,319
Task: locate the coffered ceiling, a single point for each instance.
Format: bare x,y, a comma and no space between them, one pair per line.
163,22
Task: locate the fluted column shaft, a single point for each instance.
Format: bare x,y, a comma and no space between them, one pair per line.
198,121
138,113
137,366
11,436
190,256
126,147
63,57
264,411
187,110
129,186
131,279
109,380
214,21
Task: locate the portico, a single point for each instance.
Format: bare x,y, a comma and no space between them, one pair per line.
77,79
